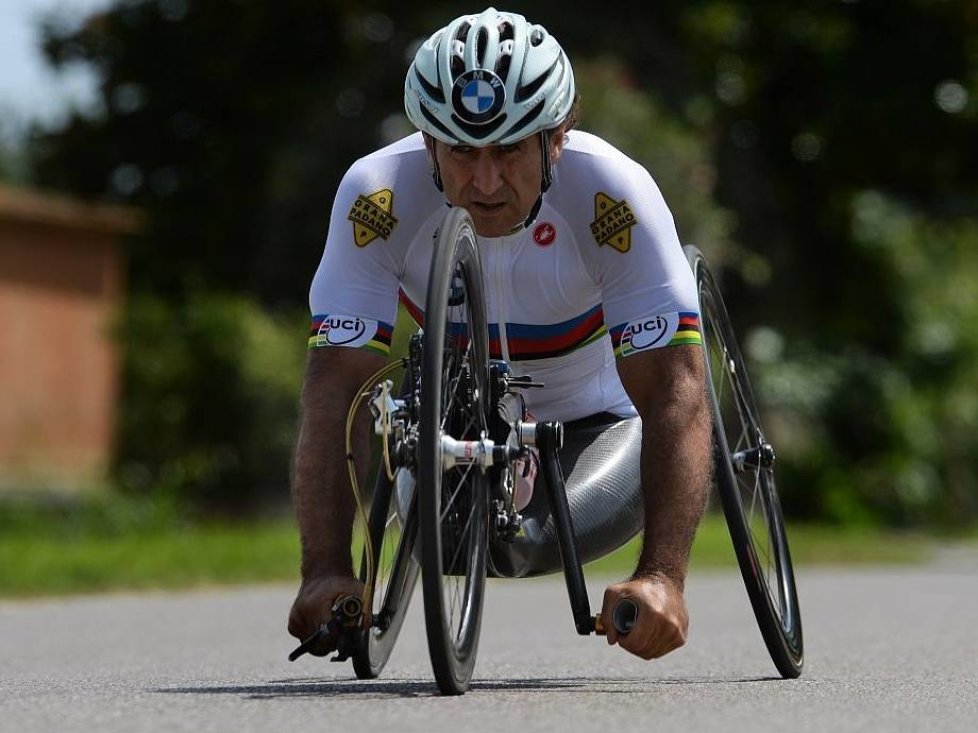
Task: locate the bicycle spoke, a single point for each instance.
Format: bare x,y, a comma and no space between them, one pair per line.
462,533
451,499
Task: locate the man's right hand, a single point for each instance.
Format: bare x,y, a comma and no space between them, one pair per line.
313,604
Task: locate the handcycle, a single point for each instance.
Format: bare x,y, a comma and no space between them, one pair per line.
453,437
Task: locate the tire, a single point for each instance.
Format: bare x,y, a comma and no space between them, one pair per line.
744,472
396,574
453,502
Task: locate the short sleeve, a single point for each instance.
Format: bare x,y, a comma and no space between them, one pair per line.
353,296
648,291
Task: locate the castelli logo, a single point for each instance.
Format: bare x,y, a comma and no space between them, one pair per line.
545,234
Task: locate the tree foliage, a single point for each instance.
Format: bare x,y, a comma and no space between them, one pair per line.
822,152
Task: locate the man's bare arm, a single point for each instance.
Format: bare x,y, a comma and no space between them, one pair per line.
321,494
667,387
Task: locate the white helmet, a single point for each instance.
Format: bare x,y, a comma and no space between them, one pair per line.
488,79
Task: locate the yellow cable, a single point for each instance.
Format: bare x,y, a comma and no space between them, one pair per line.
362,393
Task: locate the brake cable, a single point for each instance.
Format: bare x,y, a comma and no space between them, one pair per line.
363,392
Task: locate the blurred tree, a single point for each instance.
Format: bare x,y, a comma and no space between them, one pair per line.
210,411
231,123
821,106
14,157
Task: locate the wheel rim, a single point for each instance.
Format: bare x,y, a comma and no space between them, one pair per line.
462,488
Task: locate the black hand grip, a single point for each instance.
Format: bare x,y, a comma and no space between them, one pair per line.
625,615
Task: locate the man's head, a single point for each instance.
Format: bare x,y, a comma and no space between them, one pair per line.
493,94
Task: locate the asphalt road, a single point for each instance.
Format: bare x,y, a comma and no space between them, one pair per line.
887,650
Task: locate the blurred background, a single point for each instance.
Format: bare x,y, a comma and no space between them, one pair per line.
167,169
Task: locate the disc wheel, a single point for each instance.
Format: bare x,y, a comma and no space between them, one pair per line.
395,576
744,470
453,501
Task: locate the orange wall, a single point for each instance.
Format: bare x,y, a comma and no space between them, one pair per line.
60,284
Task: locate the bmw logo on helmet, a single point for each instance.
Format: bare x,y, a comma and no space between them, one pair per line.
478,96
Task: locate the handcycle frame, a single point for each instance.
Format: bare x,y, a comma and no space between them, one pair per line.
447,374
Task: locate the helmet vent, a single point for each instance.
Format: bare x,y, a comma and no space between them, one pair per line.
505,58
526,120
479,132
435,122
536,36
432,90
457,55
523,93
458,67
481,44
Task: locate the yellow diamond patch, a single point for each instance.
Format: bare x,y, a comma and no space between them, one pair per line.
371,216
613,222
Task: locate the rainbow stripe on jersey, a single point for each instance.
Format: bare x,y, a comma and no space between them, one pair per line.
529,341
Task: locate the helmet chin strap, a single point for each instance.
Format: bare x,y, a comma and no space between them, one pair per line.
548,166
547,178
429,144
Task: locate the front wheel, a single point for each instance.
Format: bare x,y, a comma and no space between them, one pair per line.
453,500
744,469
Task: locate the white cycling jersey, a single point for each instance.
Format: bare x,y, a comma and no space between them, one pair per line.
600,273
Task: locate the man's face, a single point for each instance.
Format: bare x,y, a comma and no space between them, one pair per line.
498,184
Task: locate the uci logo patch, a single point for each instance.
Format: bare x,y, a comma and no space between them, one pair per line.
613,222
341,331
648,333
478,96
371,216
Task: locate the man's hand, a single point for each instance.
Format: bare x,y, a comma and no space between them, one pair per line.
312,605
662,622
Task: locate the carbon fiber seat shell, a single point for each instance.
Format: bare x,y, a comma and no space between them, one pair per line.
600,463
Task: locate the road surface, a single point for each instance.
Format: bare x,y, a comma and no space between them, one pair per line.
887,650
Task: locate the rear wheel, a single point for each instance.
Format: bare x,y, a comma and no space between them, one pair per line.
744,467
453,501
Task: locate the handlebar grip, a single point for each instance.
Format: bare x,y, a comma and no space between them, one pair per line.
623,617
347,610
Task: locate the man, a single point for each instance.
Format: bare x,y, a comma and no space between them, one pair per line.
586,284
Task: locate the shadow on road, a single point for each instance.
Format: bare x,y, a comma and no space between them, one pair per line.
301,688
402,688
604,685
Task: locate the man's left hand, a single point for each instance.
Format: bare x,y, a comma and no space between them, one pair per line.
662,623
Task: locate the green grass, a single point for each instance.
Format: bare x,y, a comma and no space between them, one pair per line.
113,545
810,545
192,556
